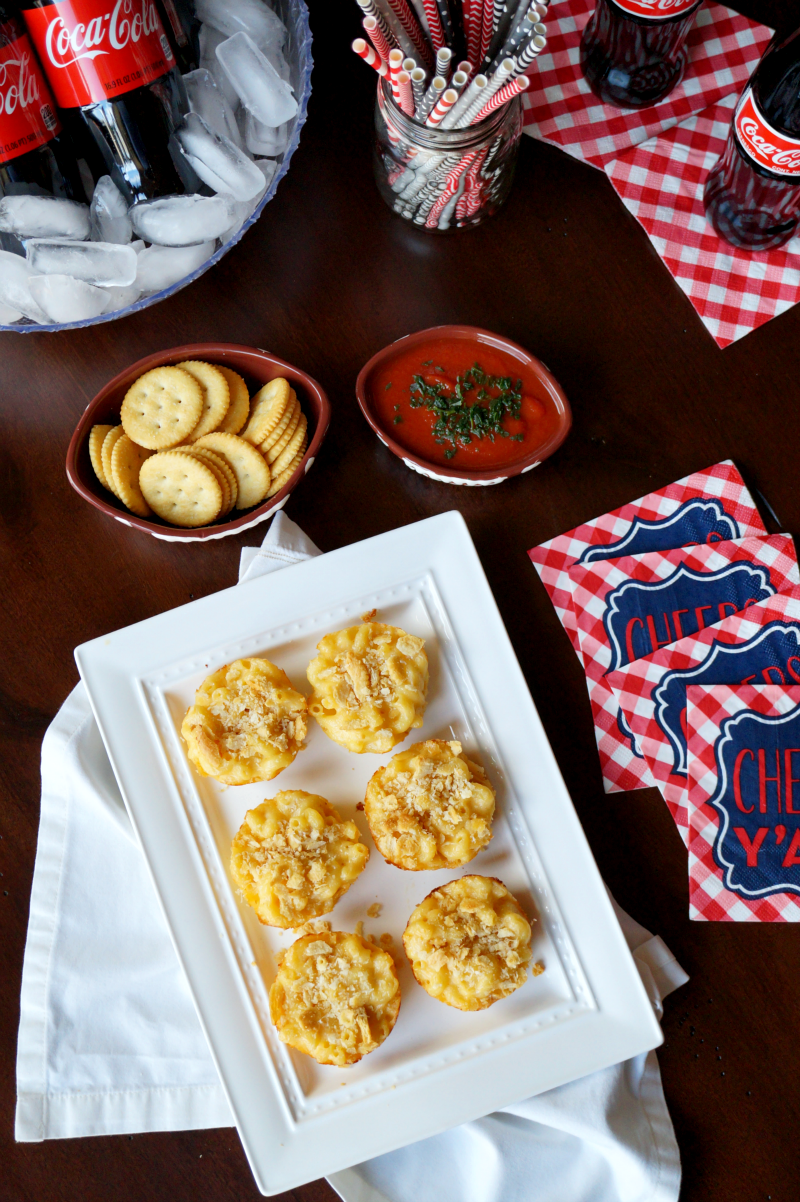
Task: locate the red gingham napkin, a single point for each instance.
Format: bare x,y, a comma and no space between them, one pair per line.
629,607
657,159
744,834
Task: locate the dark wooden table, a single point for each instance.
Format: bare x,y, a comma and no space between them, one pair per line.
326,278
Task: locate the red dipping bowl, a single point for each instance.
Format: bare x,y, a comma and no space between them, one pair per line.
477,337
258,368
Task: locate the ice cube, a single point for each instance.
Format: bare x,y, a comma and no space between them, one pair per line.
265,139
9,316
121,298
245,16
161,266
255,80
93,262
210,38
208,101
15,290
64,298
218,162
108,213
44,217
183,220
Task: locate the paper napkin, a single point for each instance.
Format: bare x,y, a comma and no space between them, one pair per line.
744,802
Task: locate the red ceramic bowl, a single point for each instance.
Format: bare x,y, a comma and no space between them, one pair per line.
478,337
258,368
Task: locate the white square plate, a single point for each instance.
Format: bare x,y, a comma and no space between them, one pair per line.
299,1120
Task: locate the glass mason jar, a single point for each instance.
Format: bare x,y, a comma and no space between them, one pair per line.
441,179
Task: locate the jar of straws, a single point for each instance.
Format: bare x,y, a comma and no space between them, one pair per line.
447,131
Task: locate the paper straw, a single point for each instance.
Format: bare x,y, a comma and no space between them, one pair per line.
406,100
435,26
464,101
511,89
365,51
381,10
447,22
449,189
370,9
466,66
459,82
418,90
409,64
444,56
432,95
411,27
378,38
444,103
526,56
473,12
395,67
497,81
487,28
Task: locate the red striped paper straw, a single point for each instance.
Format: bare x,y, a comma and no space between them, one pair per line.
395,67
411,27
473,12
487,28
365,51
434,23
406,100
378,38
449,190
503,96
370,9
470,198
445,102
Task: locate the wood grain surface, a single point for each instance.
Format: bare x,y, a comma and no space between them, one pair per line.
326,278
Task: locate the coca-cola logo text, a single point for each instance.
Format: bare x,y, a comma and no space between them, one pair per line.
767,146
19,86
657,10
127,22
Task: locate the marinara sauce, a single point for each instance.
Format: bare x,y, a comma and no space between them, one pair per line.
403,406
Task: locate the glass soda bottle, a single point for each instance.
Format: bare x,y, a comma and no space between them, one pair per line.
752,194
113,71
633,52
35,154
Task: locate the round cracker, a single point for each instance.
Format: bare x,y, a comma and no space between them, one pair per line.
288,417
266,410
162,408
271,449
292,447
126,463
222,470
181,489
105,455
279,482
249,466
239,409
97,436
216,395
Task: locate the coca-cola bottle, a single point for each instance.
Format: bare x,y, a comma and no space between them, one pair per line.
633,52
752,194
35,154
112,70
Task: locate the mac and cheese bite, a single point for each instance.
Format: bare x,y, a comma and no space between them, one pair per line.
370,686
247,723
469,943
430,807
293,858
336,997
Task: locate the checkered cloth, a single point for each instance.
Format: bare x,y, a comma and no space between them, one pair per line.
711,899
660,519
721,578
652,691
657,160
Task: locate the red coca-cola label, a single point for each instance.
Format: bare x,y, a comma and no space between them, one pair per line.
770,149
27,111
96,49
656,10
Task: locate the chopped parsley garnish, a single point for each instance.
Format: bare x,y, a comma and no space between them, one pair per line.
459,419
397,420
388,386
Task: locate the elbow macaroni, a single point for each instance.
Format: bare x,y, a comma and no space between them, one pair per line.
469,943
430,807
369,686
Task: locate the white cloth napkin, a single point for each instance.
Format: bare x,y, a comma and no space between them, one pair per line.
109,1041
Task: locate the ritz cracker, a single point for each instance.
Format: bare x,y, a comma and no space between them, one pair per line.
744,802
631,607
759,645
707,507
